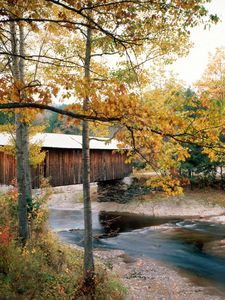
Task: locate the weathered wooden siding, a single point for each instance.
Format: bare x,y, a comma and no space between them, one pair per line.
7,168
108,165
64,167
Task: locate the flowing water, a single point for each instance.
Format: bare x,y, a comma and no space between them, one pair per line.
193,246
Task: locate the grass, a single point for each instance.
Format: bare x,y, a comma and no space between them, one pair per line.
45,268
214,195
207,197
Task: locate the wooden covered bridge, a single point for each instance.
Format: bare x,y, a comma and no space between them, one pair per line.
63,160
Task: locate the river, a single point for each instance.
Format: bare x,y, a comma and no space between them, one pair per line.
191,245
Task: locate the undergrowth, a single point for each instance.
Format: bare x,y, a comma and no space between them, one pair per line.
45,268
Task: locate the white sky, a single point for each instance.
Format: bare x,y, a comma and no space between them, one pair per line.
206,41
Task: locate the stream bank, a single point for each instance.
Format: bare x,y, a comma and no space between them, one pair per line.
205,204
149,279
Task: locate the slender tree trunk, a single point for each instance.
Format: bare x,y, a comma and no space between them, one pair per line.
22,147
21,181
25,137
221,177
88,247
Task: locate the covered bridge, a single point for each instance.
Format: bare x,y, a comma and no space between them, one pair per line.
63,160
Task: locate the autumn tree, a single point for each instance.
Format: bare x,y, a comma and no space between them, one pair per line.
22,147
211,89
212,82
18,84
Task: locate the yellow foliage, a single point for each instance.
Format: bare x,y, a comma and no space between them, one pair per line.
213,79
171,186
35,151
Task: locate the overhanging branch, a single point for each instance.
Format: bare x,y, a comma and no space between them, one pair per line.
14,105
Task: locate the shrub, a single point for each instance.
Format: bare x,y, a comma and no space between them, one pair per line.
45,268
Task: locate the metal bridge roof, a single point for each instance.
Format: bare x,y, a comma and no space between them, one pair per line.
63,141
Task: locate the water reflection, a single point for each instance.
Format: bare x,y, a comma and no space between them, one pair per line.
115,223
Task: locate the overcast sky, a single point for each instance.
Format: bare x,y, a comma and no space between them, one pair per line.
191,67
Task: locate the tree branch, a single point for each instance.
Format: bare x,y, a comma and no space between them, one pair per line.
42,20
14,105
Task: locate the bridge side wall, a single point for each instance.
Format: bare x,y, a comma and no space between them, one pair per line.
64,167
7,168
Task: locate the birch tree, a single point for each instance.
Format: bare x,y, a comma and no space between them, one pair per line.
22,147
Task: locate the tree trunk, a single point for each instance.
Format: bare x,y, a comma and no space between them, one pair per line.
221,177
22,146
25,127
89,274
21,181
